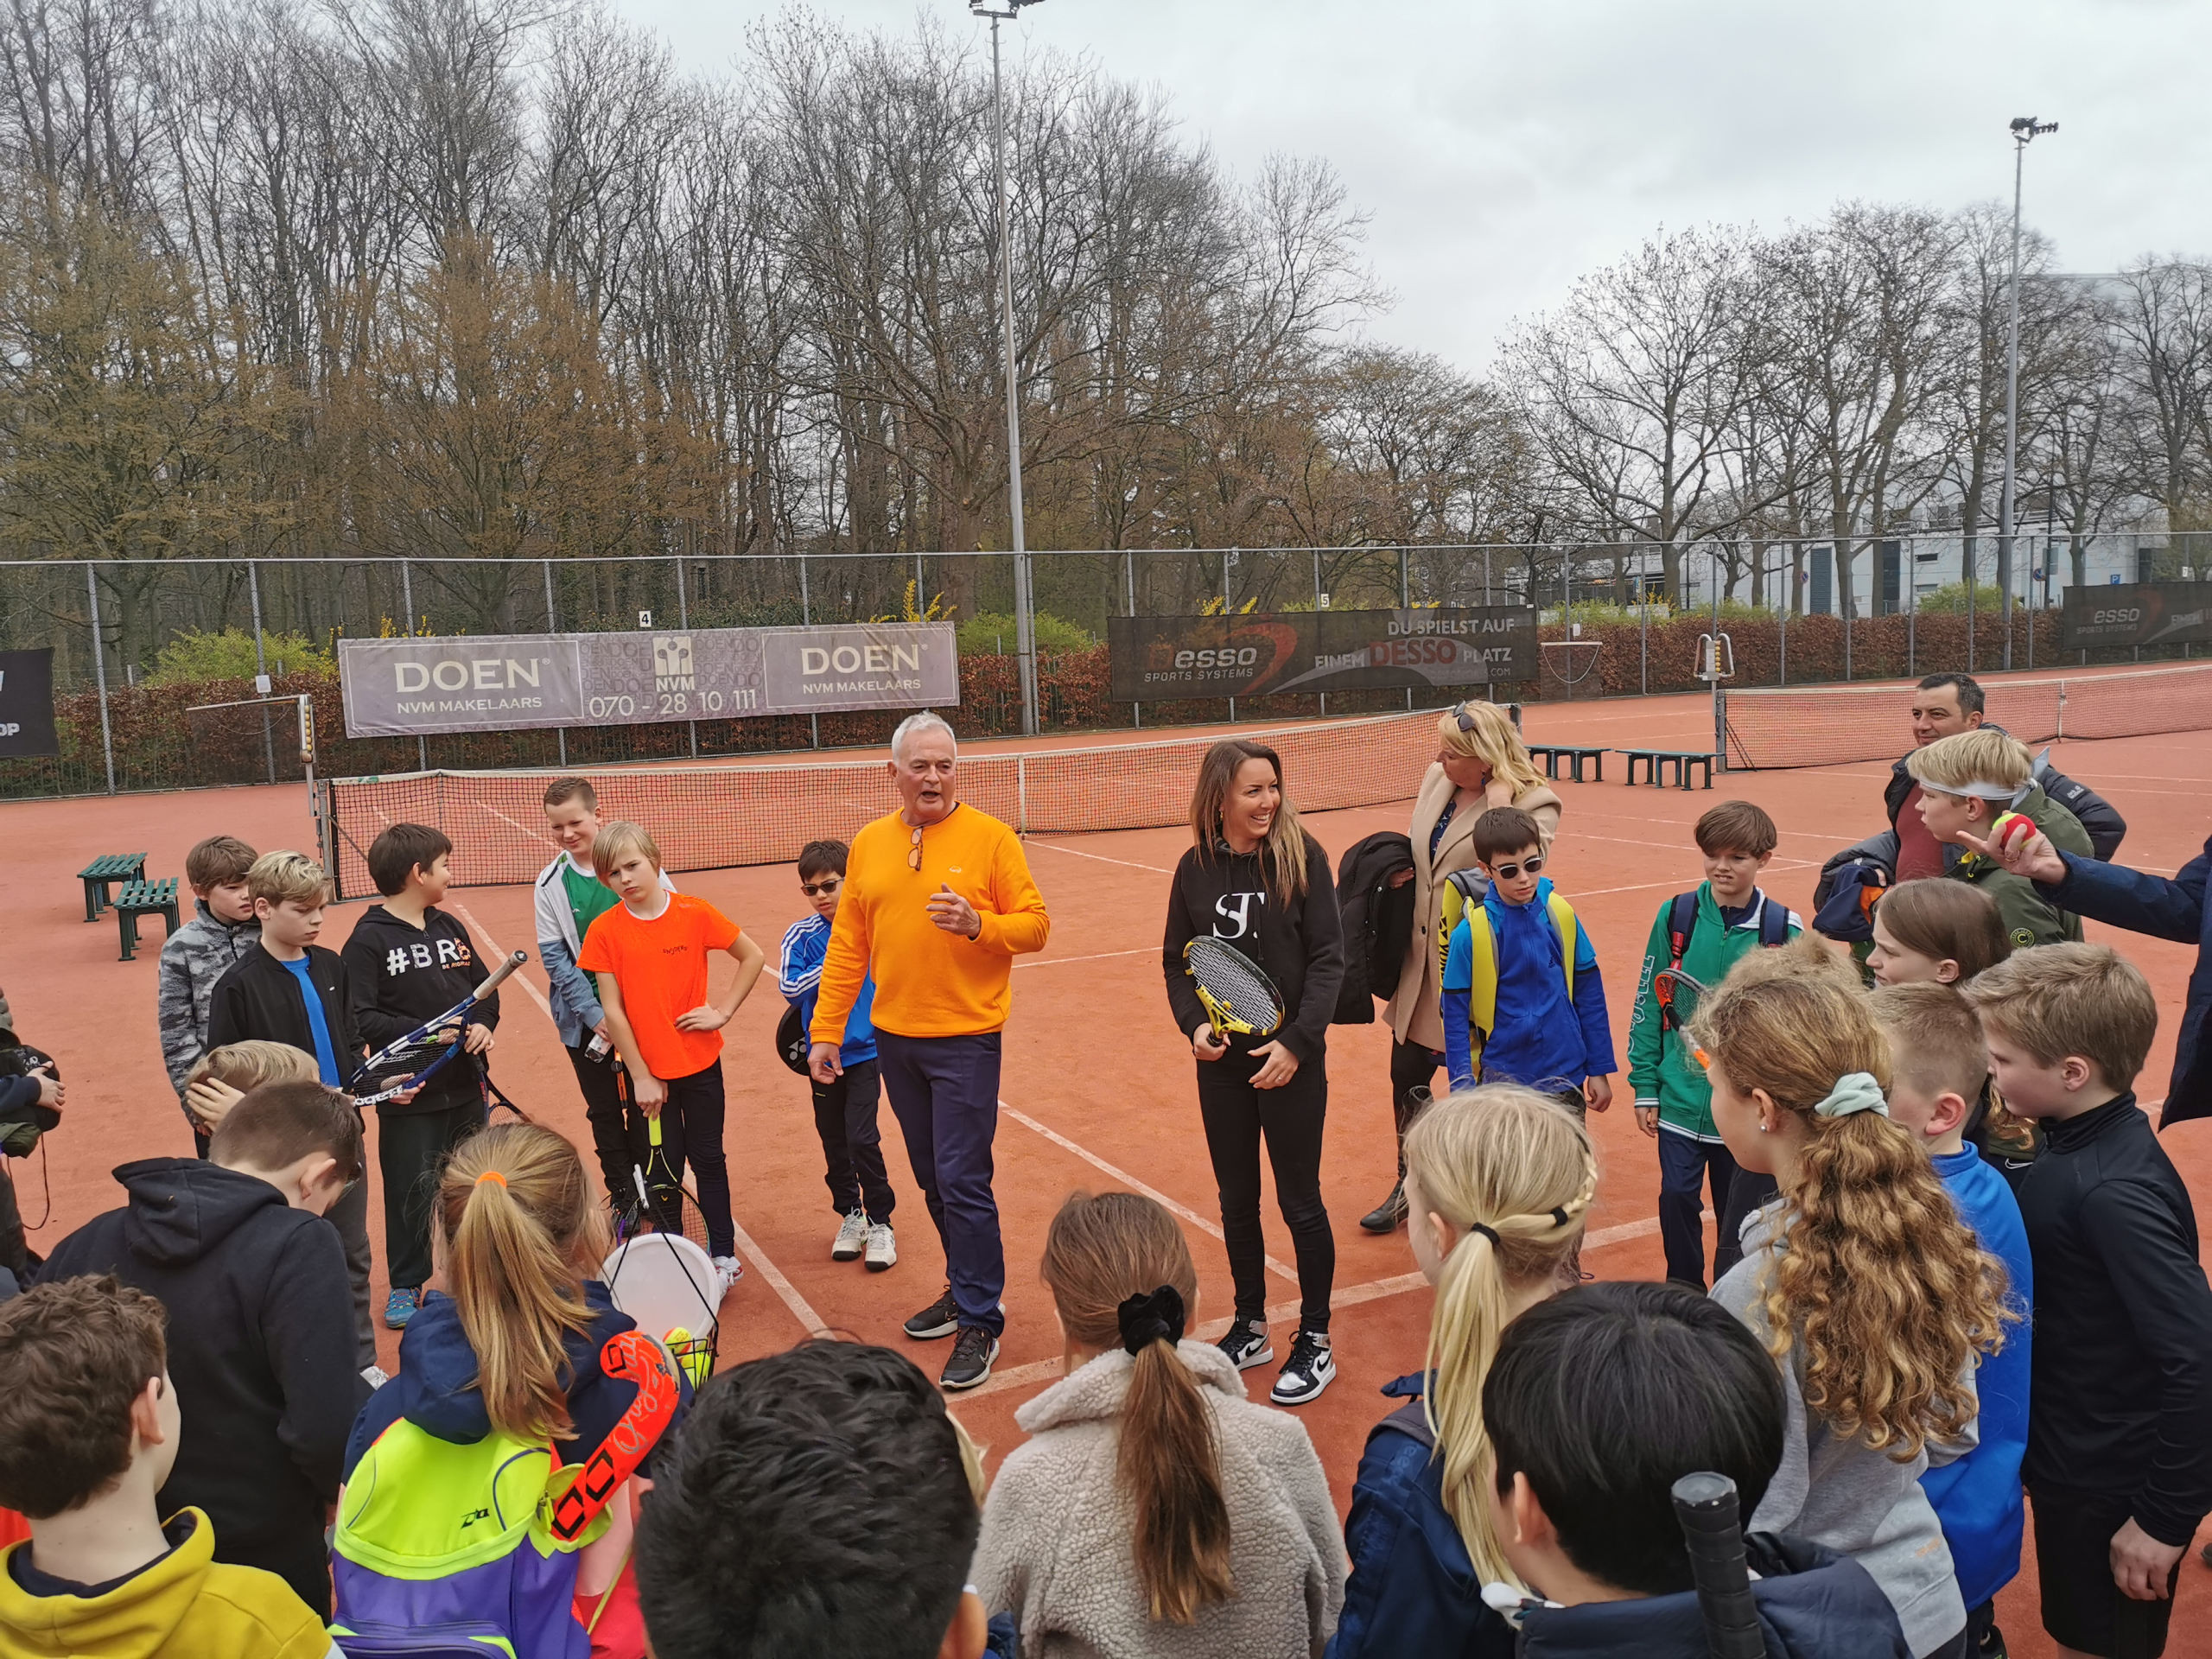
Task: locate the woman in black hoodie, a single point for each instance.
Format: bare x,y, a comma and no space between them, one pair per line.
1255,879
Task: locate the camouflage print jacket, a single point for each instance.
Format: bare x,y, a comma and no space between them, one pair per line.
194,958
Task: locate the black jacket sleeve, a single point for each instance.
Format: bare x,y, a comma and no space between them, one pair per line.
369,1024
1321,930
2157,1275
2105,827
307,1329
1182,994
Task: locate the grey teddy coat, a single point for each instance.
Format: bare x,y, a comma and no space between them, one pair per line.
1055,1549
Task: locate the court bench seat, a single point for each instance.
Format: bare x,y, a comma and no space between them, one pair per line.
1655,762
105,872
144,898
1575,756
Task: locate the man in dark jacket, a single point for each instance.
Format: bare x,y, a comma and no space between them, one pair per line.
261,1341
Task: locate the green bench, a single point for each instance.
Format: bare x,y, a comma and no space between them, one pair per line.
1574,754
144,898
103,872
1656,761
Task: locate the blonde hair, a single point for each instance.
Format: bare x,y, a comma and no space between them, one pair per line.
287,877
1101,1251
1515,1163
617,841
1284,850
247,1065
2058,1000
516,1223
1982,755
1492,741
1873,1277
1934,1040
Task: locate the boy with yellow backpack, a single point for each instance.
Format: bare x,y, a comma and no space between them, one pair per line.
1522,1000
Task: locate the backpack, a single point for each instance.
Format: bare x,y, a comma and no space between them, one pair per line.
1378,922
1682,922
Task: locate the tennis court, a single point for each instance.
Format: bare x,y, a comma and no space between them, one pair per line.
1097,1087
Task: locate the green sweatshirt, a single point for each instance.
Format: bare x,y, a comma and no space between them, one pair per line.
1659,1070
2029,918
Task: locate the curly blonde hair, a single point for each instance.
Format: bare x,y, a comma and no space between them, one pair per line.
1885,1293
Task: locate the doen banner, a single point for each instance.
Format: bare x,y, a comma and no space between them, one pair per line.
2137,613
1158,657
499,683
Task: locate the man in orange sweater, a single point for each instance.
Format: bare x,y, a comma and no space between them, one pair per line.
938,900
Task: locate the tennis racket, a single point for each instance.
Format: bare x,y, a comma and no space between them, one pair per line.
412,1060
669,1202
1707,1507
1235,993
1680,997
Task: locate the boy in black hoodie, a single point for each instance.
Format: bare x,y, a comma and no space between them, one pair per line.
409,963
260,1338
2118,1466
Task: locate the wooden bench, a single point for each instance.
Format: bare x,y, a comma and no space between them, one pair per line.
144,898
1574,755
103,872
1655,762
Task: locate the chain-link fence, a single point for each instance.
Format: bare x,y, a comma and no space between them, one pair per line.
175,635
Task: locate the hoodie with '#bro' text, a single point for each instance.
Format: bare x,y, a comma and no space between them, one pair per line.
404,976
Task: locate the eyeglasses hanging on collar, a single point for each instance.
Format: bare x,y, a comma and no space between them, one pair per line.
914,853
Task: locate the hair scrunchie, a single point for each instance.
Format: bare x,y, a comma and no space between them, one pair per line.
1854,1091
1156,1317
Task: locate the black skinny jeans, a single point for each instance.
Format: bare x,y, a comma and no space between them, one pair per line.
1237,1117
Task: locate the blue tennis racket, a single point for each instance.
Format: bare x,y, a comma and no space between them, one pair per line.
411,1061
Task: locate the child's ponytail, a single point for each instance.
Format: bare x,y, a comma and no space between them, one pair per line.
516,1219
1873,1277
1512,1172
1121,1277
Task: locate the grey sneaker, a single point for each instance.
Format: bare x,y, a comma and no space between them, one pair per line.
1246,1344
882,1248
852,1237
1310,1369
970,1364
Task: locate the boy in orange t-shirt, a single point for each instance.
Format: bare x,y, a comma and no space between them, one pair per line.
649,955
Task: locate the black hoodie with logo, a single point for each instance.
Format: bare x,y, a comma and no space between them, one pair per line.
1300,945
405,976
260,1348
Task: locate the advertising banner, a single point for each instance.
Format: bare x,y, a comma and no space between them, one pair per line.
26,703
1158,657
501,682
2137,613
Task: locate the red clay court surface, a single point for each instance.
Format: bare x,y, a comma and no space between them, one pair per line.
1098,1091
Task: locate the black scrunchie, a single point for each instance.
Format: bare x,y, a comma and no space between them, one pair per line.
1147,1319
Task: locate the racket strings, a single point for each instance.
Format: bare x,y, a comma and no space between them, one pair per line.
1234,985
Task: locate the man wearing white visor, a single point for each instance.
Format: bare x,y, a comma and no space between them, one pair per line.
1969,780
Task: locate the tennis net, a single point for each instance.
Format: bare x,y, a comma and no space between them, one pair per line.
712,817
1828,725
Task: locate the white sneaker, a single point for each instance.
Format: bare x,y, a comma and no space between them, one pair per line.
1311,1368
729,1270
882,1248
375,1375
852,1237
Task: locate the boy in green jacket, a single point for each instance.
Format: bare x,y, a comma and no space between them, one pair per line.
1967,781
1702,934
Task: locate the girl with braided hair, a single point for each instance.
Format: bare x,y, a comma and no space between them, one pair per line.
1498,1182
1874,1296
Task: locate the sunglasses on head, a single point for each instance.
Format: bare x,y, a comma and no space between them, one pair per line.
1507,872
817,889
1465,717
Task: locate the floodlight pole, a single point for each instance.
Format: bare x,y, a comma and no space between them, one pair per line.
1025,628
2025,129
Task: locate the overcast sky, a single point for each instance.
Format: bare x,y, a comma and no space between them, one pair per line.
1504,148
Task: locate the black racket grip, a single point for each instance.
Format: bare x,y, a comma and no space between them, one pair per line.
1713,1531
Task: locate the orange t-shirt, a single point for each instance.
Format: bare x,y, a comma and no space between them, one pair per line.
660,967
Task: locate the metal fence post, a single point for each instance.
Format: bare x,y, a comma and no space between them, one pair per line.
683,621
99,672
407,603
553,626
1972,562
806,619
1909,579
261,686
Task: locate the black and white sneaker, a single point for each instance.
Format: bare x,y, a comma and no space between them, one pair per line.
1310,1369
1246,1344
940,1318
852,1237
970,1364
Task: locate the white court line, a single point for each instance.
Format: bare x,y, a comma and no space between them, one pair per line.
757,1257
1132,1184
533,834
1095,955
1054,846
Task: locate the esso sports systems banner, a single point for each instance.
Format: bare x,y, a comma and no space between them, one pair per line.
502,683
1159,657
2137,613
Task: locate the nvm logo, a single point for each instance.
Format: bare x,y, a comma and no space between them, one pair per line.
672,663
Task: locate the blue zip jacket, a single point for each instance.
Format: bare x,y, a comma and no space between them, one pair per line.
806,945
1413,1588
1977,1497
1541,1040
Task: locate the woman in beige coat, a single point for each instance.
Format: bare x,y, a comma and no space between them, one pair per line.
1156,1513
1480,763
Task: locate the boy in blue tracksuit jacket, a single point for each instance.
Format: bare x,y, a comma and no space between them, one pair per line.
1938,1065
1523,999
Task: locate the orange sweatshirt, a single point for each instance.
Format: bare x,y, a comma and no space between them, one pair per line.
930,983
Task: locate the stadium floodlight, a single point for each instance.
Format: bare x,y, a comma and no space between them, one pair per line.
1025,626
2025,130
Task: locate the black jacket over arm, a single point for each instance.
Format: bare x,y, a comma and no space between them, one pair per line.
1299,946
403,976
2122,1381
259,1000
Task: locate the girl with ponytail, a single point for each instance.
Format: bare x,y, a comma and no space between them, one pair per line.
1155,1511
478,1477
1861,1281
1498,1182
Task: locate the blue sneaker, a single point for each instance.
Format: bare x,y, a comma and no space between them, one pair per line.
400,1307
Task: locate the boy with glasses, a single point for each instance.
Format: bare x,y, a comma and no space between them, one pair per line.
844,1107
1523,999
